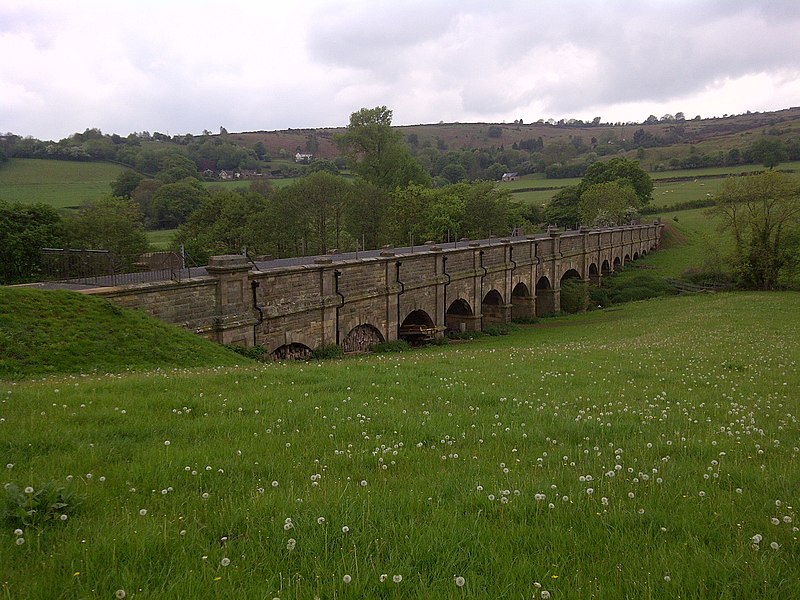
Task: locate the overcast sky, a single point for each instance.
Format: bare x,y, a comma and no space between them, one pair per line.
178,66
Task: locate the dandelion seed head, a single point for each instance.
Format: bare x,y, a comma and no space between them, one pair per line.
397,578
225,561
459,581
347,579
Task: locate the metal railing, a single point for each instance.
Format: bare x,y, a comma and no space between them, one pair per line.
103,268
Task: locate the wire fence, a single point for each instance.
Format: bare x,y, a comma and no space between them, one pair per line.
102,268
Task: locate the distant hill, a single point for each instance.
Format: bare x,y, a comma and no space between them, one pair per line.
719,132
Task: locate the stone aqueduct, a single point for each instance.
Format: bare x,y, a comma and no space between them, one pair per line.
357,302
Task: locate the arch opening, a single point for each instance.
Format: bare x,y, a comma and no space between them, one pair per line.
522,304
574,292
546,297
293,351
605,268
460,317
361,338
417,328
494,309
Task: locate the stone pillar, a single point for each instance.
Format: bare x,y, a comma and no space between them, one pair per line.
327,317
234,318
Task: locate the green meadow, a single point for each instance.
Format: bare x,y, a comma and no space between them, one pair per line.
670,187
646,451
60,184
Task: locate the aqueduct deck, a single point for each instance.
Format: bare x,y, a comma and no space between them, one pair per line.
294,305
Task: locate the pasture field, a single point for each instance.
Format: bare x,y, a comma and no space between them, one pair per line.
692,184
647,451
58,183
161,239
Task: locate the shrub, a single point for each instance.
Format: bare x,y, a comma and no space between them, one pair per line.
392,346
495,330
573,296
327,351
253,352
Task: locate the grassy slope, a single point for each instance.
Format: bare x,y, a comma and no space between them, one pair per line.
61,184
692,397
44,332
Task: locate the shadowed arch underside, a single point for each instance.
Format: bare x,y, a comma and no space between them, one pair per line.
292,351
361,338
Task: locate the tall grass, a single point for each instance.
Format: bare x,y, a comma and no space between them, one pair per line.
635,453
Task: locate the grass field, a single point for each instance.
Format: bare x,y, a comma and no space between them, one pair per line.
161,239
649,451
695,184
61,184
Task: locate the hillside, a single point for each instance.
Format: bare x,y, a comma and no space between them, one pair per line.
47,332
722,132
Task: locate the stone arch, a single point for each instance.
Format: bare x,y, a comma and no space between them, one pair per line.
605,268
361,338
574,293
617,263
546,297
522,306
460,316
627,259
293,351
494,308
635,255
417,327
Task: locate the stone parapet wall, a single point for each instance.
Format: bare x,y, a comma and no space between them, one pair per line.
370,298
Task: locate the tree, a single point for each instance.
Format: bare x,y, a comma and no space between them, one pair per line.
125,183
623,170
610,203
174,202
224,223
563,207
25,229
377,153
109,223
494,131
769,151
763,214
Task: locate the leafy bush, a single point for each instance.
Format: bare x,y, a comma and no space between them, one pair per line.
525,320
574,296
252,352
327,351
495,330
36,508
392,346
465,335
